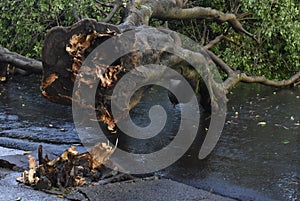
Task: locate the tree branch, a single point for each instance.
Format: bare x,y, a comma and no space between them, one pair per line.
111,5
117,6
20,61
75,15
140,11
237,77
206,13
214,42
219,62
234,77
265,81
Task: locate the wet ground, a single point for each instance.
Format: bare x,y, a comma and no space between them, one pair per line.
257,157
27,119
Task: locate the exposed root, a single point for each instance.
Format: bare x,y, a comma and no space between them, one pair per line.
70,169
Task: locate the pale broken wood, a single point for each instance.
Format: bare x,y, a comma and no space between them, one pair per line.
67,169
101,153
29,176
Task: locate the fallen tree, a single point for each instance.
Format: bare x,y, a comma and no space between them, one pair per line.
63,66
65,49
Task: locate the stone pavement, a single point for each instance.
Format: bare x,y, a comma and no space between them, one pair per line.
145,190
137,190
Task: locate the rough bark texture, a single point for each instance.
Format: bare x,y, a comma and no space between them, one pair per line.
64,56
65,50
235,76
63,66
20,61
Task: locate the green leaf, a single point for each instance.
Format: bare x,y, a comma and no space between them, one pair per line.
262,123
285,141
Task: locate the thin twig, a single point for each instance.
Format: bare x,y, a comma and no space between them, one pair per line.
75,15
111,5
214,42
219,62
117,6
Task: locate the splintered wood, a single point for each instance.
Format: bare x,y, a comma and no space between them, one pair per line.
69,77
65,50
78,45
98,75
69,170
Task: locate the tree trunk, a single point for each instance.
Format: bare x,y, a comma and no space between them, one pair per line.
66,48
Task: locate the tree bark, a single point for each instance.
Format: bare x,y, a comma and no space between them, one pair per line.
3,72
60,66
66,48
20,61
